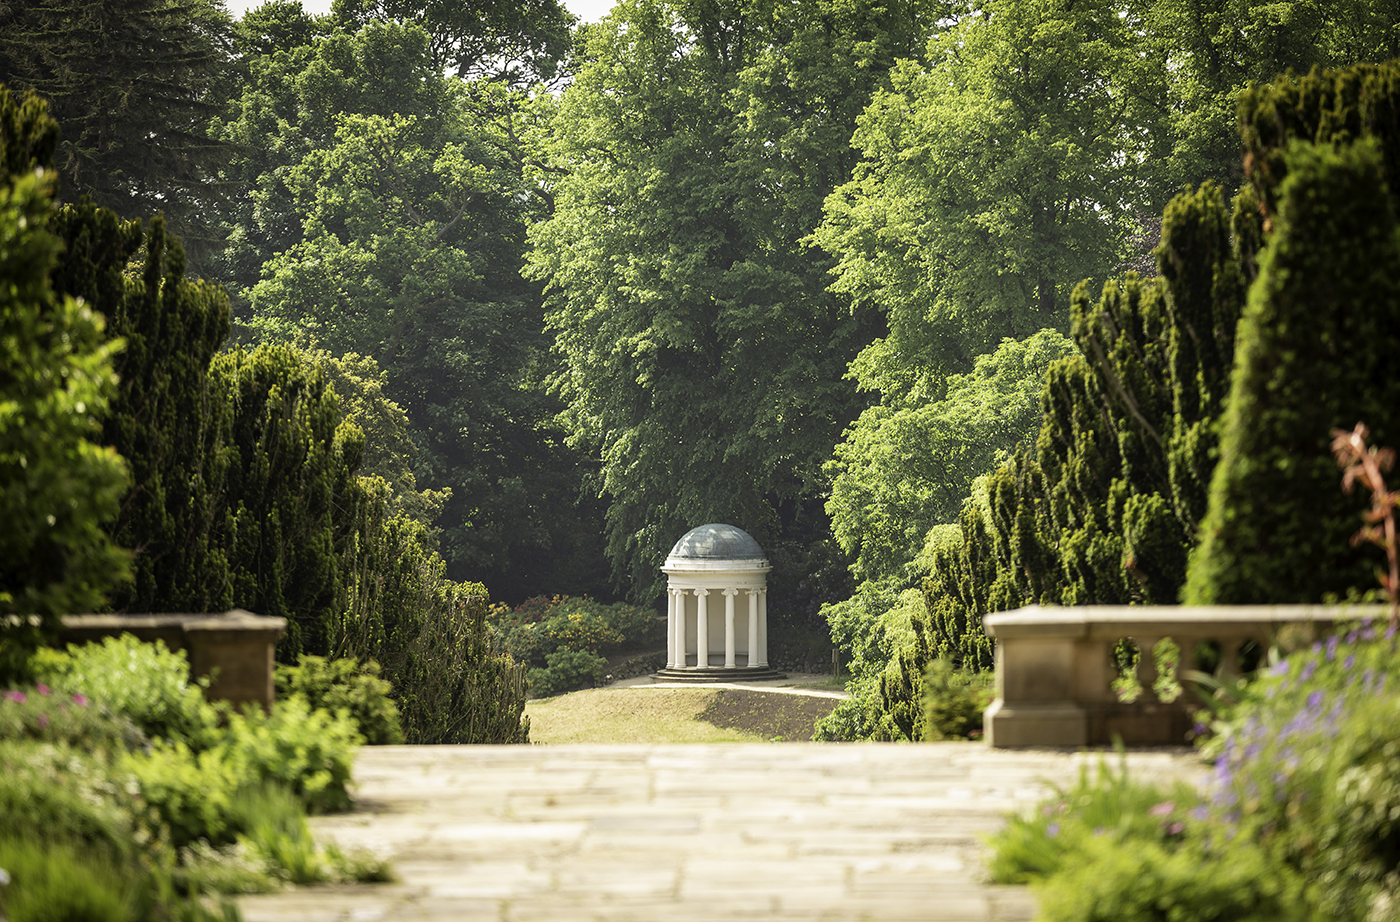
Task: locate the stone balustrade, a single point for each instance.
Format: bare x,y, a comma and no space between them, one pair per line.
1055,666
235,648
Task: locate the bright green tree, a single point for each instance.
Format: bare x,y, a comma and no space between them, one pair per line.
901,471
58,487
704,357
993,178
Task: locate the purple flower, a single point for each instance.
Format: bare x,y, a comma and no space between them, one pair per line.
1331,648
16,696
42,689
1052,830
1201,813
1165,808
1175,829
1280,668
1351,637
1199,729
1390,630
1349,661
80,700
1309,669
1315,700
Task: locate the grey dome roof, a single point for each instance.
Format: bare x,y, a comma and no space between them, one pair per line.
717,542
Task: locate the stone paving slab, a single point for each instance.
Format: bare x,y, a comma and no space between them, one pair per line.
810,831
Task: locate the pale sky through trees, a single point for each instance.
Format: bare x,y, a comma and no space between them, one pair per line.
587,10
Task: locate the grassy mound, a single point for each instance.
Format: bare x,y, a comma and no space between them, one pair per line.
674,715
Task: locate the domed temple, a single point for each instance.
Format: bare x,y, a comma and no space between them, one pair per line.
717,607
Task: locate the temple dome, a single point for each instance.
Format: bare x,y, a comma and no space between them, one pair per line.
717,542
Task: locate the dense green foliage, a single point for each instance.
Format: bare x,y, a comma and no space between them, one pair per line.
133,84
58,488
704,358
1314,342
1111,501
387,219
348,685
1295,823
904,469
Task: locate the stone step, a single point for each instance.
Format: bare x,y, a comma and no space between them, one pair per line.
717,674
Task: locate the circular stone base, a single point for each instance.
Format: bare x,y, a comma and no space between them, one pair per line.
717,674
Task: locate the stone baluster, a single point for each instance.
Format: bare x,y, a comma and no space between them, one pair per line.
753,627
702,629
1147,667
729,595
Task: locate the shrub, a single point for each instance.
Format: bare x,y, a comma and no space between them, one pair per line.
1312,355
52,791
954,700
143,682
40,713
1140,880
57,881
567,670
543,625
310,752
345,684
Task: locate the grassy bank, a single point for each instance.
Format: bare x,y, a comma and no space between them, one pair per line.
674,715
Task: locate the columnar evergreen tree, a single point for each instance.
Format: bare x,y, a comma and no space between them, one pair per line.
1314,354
58,488
163,419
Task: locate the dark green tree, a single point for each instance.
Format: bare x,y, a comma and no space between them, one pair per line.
517,42
704,358
390,224
163,418
1314,354
58,487
133,84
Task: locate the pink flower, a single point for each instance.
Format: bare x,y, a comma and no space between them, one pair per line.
43,721
80,700
1165,808
42,689
16,696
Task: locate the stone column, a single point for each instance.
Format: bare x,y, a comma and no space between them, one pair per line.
675,634
753,627
729,595
702,629
763,627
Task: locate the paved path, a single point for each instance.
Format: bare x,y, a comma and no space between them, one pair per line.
677,833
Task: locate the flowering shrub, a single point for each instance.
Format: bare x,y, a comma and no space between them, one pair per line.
1304,800
145,682
43,713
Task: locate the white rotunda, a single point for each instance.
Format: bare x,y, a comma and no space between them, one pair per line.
717,607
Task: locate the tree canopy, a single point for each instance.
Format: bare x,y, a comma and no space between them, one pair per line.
704,357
